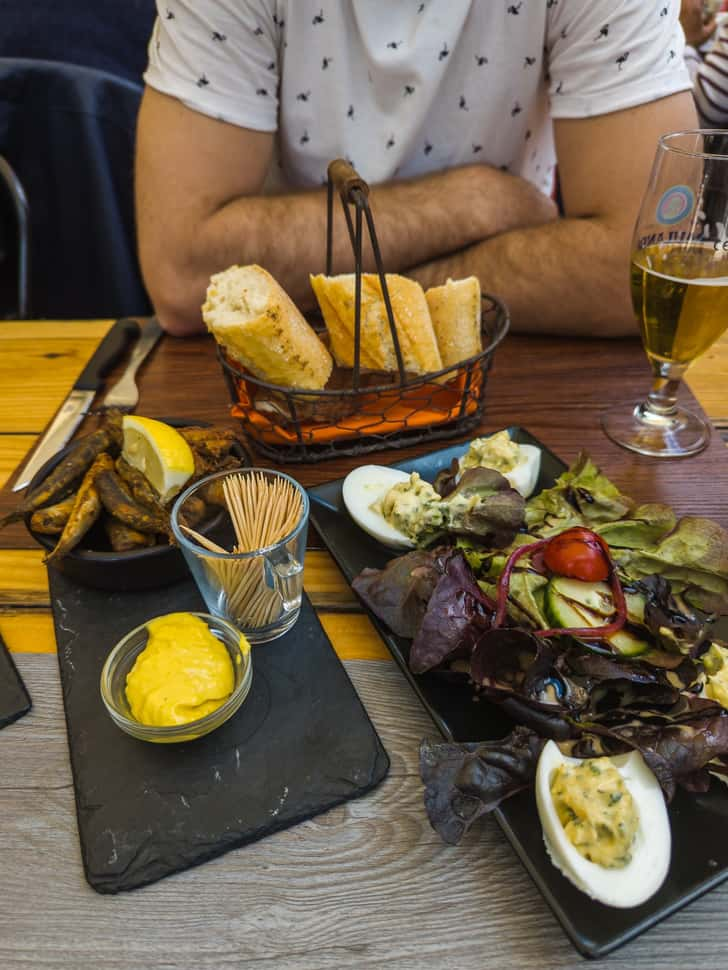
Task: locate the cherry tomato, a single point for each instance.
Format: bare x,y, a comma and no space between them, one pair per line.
579,554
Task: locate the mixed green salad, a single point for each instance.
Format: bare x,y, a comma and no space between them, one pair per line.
587,617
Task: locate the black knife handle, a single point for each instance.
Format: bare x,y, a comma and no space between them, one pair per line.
107,354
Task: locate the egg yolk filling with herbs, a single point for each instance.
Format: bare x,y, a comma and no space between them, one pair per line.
596,810
497,452
183,673
413,507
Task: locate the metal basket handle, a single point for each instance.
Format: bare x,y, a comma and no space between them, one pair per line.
354,191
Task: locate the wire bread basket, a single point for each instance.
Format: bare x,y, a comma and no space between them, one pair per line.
360,411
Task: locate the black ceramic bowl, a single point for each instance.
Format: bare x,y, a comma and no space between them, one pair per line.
94,563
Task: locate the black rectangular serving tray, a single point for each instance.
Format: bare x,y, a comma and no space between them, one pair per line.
301,743
699,847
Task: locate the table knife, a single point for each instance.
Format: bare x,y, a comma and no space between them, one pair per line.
76,406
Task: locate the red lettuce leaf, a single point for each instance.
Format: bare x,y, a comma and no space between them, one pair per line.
399,593
464,781
457,613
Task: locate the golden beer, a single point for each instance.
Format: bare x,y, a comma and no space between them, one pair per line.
680,297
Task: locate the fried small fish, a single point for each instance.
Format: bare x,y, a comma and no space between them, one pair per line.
120,504
123,538
142,490
77,462
86,509
51,520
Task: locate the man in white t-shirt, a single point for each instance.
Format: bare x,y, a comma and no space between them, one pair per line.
456,110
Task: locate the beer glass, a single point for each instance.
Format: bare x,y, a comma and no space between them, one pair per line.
679,282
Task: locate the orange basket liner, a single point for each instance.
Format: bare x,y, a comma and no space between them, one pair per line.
391,411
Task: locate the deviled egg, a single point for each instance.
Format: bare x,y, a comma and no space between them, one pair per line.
520,464
363,490
605,824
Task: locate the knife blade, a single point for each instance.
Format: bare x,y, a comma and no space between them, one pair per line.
76,406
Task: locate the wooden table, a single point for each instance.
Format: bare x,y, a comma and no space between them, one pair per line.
368,884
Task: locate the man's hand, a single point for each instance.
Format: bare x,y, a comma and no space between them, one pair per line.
200,209
692,17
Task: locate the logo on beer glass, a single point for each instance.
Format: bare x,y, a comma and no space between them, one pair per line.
674,205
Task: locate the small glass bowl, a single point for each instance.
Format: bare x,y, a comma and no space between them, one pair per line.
122,658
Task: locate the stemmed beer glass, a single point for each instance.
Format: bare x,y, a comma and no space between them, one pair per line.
679,281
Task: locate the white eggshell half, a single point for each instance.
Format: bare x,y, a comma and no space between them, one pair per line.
366,485
651,849
525,475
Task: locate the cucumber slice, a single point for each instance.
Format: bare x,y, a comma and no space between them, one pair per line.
594,596
567,612
627,644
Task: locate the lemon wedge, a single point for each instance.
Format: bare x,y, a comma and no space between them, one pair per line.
159,452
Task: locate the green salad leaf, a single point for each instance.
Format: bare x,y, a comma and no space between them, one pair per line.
582,495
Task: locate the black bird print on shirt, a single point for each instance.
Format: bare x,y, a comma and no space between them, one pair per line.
480,60
420,8
304,139
202,81
303,96
262,92
318,19
350,112
529,61
622,59
477,148
220,38
168,14
258,32
516,110
671,56
428,148
604,32
463,104
443,53
408,89
390,142
551,3
272,66
559,88
394,44
515,8
664,12
325,63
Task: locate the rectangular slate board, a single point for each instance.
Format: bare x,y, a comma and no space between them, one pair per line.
301,743
14,698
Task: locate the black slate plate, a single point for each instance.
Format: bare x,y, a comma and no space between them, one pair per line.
700,849
14,698
300,744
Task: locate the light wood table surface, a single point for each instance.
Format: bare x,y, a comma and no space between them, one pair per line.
368,884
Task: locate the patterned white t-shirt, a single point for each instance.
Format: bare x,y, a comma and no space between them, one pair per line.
405,87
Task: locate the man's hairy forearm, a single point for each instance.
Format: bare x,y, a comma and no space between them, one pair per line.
570,277
416,220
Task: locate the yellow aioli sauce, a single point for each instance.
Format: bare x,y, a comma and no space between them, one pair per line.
597,811
183,673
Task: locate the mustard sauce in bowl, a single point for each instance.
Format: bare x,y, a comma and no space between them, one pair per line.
177,677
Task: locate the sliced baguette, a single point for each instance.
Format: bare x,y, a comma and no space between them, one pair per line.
258,324
455,309
418,344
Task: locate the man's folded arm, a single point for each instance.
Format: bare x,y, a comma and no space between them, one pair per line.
199,210
571,276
